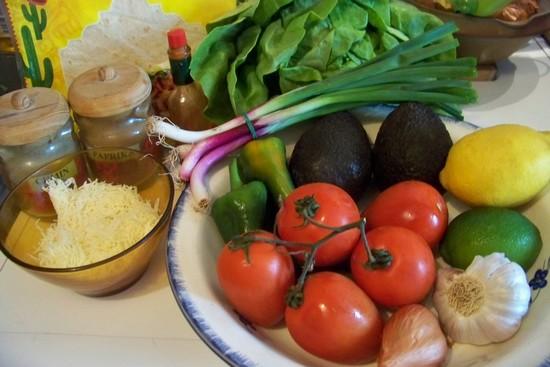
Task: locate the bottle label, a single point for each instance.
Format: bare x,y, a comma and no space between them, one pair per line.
180,71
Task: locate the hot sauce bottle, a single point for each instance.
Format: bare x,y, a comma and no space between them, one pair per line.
187,101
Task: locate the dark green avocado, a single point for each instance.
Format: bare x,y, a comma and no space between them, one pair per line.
412,144
336,150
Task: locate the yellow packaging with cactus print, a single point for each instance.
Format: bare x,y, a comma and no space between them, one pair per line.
59,39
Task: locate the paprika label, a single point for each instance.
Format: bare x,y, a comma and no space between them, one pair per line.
110,165
118,166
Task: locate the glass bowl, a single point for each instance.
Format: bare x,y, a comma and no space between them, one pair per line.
27,211
490,39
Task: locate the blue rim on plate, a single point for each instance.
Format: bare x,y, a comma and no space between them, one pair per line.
188,308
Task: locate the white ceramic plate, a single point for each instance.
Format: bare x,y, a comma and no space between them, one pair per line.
194,244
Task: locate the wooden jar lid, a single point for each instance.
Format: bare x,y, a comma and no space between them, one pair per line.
28,115
109,90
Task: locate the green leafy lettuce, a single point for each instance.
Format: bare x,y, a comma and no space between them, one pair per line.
268,47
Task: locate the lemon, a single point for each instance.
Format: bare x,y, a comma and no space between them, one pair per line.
482,231
505,166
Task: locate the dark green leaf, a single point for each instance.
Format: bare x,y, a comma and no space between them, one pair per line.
414,22
344,39
319,49
278,44
349,14
245,89
379,12
297,76
317,9
267,9
210,65
364,49
387,41
245,9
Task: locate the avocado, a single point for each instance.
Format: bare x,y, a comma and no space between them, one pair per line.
412,144
336,150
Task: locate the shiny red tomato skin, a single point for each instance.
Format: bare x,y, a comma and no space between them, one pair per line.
415,205
408,279
257,288
337,320
336,208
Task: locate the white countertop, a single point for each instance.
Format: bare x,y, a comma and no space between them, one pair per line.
42,325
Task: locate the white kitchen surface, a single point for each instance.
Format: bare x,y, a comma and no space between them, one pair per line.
521,94
42,325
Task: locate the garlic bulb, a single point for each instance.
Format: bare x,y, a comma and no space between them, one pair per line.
483,304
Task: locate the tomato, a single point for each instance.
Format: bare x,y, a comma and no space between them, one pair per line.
337,320
411,274
411,204
257,287
336,208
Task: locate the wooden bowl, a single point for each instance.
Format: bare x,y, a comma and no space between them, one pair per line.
490,39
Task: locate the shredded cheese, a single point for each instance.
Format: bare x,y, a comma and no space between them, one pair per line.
94,221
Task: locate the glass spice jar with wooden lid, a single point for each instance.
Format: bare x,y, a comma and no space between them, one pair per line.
35,129
111,105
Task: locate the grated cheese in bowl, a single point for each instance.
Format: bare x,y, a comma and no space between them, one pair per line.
94,222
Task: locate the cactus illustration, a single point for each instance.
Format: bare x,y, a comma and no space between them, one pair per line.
32,67
38,20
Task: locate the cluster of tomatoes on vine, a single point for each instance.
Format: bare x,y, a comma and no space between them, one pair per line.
388,252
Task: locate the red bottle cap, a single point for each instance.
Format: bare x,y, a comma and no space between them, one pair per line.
177,38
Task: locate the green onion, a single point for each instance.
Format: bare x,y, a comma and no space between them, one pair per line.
406,73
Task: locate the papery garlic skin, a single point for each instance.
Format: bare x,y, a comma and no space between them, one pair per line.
483,304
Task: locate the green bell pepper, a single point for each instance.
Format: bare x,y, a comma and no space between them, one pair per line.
242,209
265,160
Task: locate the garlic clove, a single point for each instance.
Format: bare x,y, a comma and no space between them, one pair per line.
486,266
412,337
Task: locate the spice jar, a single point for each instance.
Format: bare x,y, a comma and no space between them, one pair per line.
111,105
35,129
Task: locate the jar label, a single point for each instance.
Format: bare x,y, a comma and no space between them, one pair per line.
111,155
120,166
36,201
109,164
68,171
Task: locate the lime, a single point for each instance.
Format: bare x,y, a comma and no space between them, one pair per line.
505,165
482,231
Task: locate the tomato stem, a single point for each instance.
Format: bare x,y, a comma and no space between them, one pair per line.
295,296
378,258
306,208
244,240
241,242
